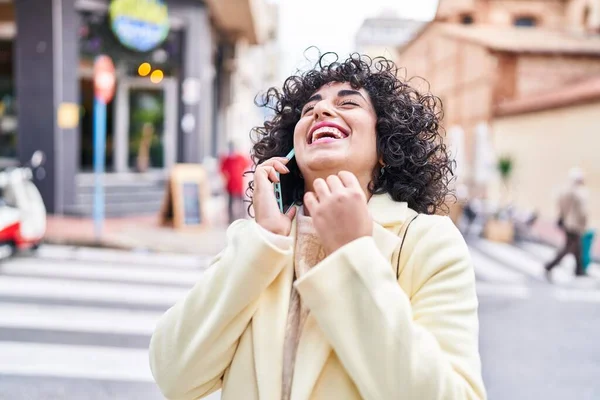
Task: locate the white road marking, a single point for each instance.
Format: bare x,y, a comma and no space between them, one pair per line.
91,291
580,296
512,256
78,319
99,271
492,271
65,361
120,257
514,291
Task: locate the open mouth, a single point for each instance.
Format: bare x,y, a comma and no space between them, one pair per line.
326,133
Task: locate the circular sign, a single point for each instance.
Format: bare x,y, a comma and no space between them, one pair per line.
104,79
140,25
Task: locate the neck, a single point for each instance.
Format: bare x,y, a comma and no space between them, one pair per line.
363,180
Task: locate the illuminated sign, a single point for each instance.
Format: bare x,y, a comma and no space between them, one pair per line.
140,25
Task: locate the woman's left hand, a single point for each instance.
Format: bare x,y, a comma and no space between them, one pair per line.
339,210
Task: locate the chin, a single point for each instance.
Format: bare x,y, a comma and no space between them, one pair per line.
327,162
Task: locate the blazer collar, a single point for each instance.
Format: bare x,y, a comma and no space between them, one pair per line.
385,211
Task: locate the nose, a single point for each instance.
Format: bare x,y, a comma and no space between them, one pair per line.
322,110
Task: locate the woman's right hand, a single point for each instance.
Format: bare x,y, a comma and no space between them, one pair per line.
266,209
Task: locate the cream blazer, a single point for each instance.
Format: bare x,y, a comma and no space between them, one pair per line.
368,335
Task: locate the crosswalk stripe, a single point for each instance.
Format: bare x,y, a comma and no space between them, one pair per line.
77,319
100,272
512,257
583,296
11,286
489,270
517,291
120,257
67,361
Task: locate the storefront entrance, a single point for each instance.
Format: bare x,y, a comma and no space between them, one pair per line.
145,124
142,118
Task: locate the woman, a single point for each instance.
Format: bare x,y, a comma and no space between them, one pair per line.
344,301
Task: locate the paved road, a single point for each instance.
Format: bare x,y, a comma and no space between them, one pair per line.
538,341
75,323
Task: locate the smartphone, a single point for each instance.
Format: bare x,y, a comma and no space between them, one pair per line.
283,191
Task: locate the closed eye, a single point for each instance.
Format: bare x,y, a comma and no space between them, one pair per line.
307,109
349,102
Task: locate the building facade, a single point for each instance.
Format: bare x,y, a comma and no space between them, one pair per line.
505,71
168,90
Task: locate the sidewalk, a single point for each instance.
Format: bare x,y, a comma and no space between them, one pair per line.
141,233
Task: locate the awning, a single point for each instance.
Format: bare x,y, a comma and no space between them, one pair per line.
240,18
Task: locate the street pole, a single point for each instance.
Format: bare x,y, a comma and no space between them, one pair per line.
99,160
104,90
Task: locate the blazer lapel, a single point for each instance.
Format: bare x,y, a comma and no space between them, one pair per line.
268,327
314,349
313,352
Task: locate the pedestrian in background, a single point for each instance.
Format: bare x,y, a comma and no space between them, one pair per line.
573,216
360,291
233,166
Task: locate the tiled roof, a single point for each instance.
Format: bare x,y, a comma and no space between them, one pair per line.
525,40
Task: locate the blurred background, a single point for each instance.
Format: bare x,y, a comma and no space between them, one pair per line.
92,253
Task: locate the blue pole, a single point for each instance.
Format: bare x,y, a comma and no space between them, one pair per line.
99,156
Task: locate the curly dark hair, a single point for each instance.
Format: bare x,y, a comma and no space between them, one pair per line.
418,168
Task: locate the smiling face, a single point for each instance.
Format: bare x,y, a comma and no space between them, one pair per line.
336,131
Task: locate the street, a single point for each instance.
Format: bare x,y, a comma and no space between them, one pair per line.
75,323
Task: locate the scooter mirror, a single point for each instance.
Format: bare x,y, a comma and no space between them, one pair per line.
37,159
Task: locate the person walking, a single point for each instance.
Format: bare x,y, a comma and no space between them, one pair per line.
233,166
572,220
360,290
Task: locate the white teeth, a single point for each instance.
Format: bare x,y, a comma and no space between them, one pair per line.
327,131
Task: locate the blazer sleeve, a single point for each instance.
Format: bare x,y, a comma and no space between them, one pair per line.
422,345
194,341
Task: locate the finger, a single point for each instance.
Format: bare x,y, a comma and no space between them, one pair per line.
310,202
334,183
267,172
278,165
321,189
273,160
291,213
349,180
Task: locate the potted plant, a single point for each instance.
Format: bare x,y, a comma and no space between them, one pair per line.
500,227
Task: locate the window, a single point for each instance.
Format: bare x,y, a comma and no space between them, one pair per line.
525,22
466,19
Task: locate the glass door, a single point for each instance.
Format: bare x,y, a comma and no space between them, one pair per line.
146,125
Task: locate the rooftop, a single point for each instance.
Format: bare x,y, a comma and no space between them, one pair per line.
526,40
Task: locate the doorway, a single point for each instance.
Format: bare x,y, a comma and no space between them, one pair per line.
145,125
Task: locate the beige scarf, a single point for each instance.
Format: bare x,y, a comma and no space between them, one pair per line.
308,252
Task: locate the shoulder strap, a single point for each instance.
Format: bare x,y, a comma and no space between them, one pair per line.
402,231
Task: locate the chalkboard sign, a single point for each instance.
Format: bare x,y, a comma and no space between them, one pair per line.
186,196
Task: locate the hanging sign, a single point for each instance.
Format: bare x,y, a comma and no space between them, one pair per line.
140,25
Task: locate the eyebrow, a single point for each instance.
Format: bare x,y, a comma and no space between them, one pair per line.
341,93
346,92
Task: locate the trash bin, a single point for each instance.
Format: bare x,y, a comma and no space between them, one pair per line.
586,248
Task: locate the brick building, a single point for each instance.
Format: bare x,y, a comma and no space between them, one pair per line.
517,78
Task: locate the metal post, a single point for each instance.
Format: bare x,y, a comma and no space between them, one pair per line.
99,160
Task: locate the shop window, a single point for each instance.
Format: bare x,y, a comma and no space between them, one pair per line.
8,111
467,19
525,22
